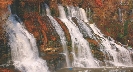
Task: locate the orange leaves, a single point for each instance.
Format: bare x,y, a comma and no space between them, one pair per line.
92,41
99,2
3,7
106,9
8,70
5,3
5,70
43,28
53,38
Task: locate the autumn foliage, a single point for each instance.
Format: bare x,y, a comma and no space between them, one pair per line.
5,3
99,2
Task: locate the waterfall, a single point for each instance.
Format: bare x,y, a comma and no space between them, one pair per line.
120,14
77,13
60,32
80,47
121,56
24,51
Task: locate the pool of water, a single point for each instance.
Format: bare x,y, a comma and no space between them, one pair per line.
101,69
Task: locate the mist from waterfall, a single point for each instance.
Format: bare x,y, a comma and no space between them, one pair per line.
24,51
118,55
82,56
60,32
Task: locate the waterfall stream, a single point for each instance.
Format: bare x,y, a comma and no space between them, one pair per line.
24,51
121,56
60,33
80,47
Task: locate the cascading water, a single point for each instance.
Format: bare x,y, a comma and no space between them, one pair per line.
120,57
75,12
24,51
120,14
80,47
60,33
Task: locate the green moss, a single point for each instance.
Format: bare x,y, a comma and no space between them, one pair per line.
53,12
131,4
120,35
108,29
126,27
66,11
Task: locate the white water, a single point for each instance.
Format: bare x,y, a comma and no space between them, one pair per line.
80,47
77,13
120,14
60,33
121,57
24,51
